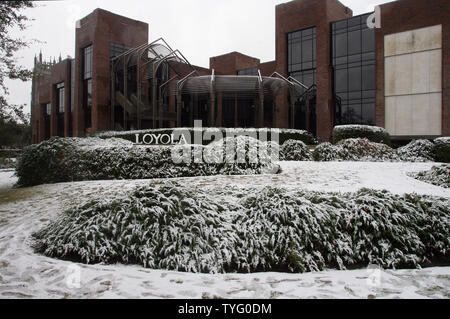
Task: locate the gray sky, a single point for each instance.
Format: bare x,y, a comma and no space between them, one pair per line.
198,28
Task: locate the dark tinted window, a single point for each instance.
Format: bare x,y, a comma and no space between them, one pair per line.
353,60
249,71
87,52
302,55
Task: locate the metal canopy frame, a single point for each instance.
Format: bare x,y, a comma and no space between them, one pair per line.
148,59
298,90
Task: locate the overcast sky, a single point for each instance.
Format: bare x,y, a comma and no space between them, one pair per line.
198,28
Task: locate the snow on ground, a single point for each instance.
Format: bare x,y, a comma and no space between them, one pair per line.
24,274
7,178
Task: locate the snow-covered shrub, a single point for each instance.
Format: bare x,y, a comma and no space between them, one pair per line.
372,133
417,151
326,152
355,149
293,150
77,159
361,149
283,134
442,149
438,175
174,227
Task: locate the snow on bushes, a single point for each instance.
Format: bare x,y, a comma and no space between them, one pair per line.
168,226
75,159
354,150
283,134
293,150
372,133
438,175
365,150
417,151
326,152
442,149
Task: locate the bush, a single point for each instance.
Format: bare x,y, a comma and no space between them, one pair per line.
354,150
74,159
168,226
293,150
326,152
438,175
417,151
284,134
442,149
372,133
358,149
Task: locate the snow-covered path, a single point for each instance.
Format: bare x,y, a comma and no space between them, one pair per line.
26,274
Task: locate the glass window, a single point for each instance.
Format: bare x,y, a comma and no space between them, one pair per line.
341,80
61,96
116,49
72,85
249,71
353,59
341,45
87,52
88,100
354,42
302,55
368,78
49,109
87,103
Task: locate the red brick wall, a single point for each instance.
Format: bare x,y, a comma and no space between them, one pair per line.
405,15
300,14
267,68
229,64
60,73
100,28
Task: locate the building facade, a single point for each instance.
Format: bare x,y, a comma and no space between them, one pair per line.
390,68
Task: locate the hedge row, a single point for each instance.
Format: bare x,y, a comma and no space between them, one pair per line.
365,150
75,159
438,175
283,134
173,227
372,133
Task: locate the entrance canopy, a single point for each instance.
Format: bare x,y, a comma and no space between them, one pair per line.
242,85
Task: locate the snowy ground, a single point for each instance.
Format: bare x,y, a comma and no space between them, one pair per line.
24,274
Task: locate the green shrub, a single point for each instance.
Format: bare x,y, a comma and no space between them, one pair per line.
358,149
354,150
173,227
283,134
438,175
75,159
326,152
442,149
417,151
372,133
293,150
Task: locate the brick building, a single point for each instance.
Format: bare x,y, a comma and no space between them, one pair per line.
390,68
